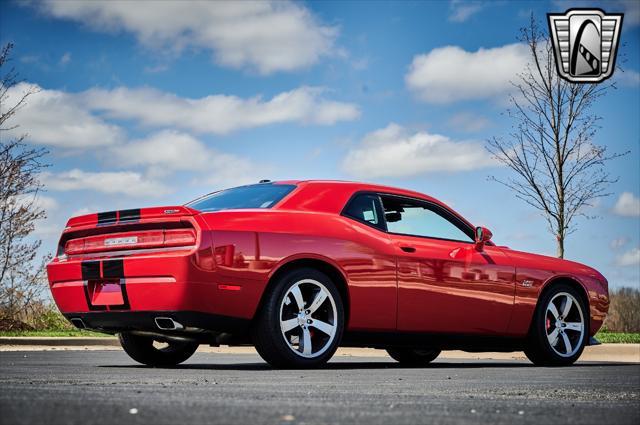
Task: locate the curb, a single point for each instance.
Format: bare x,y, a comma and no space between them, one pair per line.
72,341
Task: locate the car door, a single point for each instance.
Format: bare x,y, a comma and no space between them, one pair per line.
444,283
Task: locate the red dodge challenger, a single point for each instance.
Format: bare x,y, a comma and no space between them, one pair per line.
298,268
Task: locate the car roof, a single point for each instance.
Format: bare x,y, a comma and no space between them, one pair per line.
330,196
359,186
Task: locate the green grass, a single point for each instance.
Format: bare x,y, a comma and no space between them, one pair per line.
54,333
618,337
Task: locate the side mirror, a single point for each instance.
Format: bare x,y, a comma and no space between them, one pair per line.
483,235
393,216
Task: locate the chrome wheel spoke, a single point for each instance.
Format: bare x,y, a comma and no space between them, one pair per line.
287,325
324,327
553,310
574,326
306,342
566,307
321,296
297,296
553,337
567,344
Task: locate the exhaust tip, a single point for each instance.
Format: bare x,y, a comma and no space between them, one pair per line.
167,324
78,323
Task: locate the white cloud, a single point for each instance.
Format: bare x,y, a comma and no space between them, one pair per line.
629,258
219,114
395,152
268,36
112,182
38,200
468,122
619,243
462,10
65,59
449,74
628,205
170,150
55,118
72,120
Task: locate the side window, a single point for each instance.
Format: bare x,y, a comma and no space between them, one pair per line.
415,218
366,208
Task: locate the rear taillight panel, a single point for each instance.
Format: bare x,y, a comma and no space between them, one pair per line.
135,239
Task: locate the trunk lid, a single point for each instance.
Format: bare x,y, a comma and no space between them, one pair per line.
132,230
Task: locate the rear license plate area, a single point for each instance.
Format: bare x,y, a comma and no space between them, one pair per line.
106,292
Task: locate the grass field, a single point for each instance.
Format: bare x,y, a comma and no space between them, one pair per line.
603,337
618,337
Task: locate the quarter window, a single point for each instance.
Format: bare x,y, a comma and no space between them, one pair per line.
367,209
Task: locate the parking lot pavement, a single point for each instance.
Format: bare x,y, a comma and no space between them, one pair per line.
95,387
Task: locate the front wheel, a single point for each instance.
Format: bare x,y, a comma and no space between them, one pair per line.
559,329
149,352
301,321
413,356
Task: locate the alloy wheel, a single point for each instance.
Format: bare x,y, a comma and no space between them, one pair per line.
308,318
565,326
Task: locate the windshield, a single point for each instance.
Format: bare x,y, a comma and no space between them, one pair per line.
264,195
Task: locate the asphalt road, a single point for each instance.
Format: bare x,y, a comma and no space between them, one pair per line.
96,387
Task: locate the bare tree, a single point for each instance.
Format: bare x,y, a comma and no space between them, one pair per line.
559,170
21,274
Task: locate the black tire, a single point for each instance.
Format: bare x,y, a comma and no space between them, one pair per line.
413,356
538,348
141,349
267,335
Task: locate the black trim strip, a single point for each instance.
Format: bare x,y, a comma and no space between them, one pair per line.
111,321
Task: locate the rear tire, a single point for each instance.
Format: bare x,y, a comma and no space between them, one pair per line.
560,328
301,321
141,349
413,356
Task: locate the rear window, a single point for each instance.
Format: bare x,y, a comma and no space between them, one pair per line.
263,195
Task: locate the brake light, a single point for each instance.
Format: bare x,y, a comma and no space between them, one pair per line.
131,240
179,237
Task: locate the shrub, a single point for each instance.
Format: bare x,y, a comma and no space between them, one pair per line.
624,311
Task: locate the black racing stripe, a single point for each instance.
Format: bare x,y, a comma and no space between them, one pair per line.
90,270
108,217
129,215
113,269
125,298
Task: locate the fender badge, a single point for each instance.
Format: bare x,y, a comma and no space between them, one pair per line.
527,283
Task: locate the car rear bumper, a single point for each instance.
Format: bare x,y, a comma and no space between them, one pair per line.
107,287
188,321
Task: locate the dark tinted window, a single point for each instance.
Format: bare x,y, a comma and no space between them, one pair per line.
264,195
366,208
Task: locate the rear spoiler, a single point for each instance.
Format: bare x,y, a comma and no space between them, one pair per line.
129,216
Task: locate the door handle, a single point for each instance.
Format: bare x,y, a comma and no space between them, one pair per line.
408,249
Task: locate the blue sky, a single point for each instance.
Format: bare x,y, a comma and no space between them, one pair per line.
150,104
